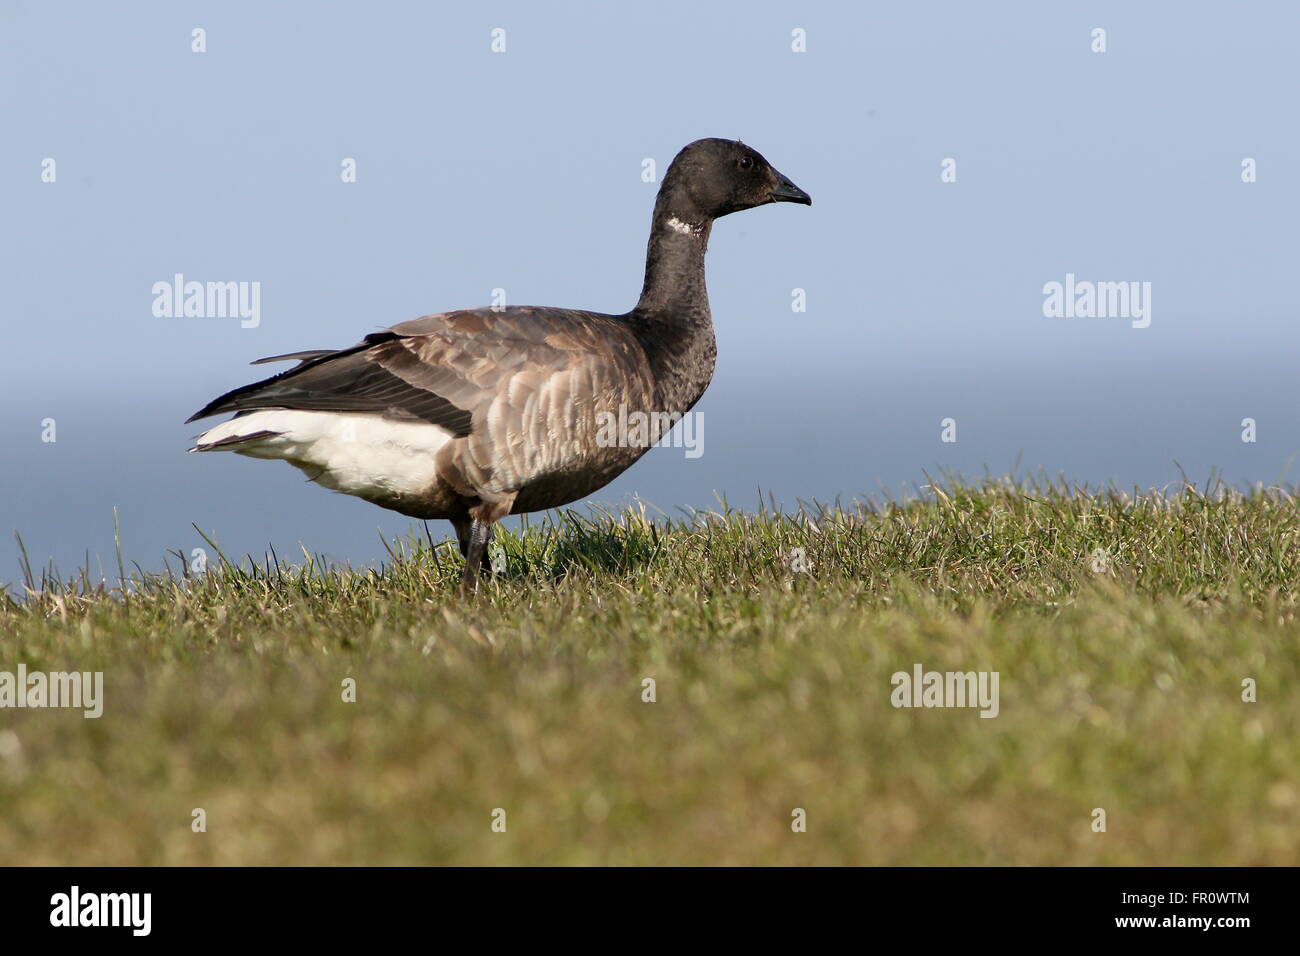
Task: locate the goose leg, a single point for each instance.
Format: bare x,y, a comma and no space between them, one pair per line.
474,531
474,546
463,526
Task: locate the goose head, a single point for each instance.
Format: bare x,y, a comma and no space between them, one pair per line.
712,178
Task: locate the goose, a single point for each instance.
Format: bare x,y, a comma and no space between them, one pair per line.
476,414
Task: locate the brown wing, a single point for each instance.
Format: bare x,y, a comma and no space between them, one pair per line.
522,385
533,381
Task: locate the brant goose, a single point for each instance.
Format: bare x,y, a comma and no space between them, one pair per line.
476,414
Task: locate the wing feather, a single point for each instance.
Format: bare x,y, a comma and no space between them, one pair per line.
511,378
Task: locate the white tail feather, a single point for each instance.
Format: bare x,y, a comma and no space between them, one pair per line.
352,453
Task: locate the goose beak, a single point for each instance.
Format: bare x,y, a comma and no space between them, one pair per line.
787,191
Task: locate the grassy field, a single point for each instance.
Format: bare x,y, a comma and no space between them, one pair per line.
1121,625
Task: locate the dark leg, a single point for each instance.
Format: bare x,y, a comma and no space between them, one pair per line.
474,532
485,565
476,556
462,526
462,534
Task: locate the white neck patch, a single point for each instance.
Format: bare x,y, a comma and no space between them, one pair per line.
685,228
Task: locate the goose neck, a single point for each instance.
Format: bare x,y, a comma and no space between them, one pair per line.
674,288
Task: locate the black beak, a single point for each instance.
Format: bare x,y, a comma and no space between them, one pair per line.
787,191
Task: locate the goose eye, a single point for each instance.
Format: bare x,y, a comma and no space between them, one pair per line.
745,162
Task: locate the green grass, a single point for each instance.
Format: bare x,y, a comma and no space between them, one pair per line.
1120,689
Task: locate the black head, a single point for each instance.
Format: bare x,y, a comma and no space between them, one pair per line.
715,177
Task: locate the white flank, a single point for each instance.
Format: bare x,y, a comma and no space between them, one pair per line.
354,454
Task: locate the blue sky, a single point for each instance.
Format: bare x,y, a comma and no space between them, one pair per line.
522,170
